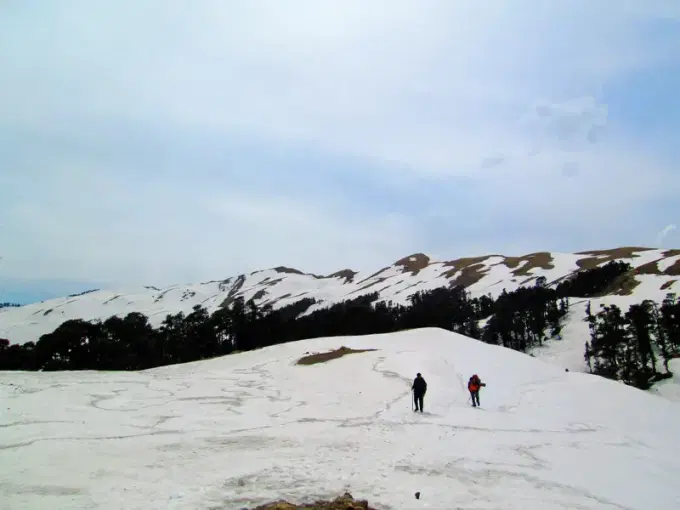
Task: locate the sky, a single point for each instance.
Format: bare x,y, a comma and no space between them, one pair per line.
165,142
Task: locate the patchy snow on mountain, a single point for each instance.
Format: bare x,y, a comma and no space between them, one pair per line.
657,272
245,429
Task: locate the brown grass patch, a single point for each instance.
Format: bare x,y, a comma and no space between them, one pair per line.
322,357
472,270
674,270
231,295
379,280
259,294
600,257
288,270
347,274
667,285
624,285
648,268
374,275
270,283
542,260
346,502
413,263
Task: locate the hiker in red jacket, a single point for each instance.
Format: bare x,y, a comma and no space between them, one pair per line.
474,384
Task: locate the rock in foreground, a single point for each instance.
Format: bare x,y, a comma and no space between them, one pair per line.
346,502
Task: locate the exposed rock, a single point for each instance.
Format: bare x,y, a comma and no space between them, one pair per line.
668,284
373,276
289,270
235,288
345,502
347,274
413,263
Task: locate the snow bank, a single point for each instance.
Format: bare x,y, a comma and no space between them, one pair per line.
670,388
244,429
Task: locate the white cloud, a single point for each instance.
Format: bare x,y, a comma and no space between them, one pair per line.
566,126
512,94
156,233
432,86
664,233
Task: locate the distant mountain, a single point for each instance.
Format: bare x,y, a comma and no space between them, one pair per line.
656,272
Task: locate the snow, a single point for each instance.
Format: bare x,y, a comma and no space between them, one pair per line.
644,257
667,262
564,264
495,272
567,352
240,430
28,323
670,388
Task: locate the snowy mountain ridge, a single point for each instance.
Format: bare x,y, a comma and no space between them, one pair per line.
656,273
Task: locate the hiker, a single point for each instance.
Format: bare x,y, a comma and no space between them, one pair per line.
419,389
474,384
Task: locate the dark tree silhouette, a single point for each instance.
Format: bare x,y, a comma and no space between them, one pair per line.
634,347
522,319
627,347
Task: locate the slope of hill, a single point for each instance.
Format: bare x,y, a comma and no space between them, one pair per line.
657,273
245,429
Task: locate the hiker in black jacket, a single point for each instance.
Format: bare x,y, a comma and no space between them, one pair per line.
419,389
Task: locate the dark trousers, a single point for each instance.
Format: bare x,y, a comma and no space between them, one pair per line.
475,397
418,399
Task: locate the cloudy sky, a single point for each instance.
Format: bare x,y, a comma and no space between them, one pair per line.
161,141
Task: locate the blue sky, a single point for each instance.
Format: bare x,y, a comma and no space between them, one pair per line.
164,142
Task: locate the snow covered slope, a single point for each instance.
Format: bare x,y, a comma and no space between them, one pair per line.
658,271
245,429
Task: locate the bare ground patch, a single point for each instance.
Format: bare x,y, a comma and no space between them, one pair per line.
271,283
287,270
374,275
346,502
413,263
668,284
648,268
322,357
674,270
292,270
231,295
347,274
259,294
624,285
600,257
471,270
379,280
541,260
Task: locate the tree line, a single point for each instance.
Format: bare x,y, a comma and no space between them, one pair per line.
520,320
636,346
